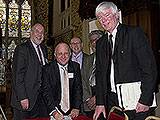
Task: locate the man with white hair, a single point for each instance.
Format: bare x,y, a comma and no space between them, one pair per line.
123,55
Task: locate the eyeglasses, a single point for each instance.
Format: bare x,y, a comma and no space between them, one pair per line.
62,54
75,43
102,16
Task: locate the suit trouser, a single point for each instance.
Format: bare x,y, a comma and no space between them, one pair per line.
112,100
38,111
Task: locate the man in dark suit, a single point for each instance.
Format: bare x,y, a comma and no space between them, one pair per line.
58,93
28,59
127,58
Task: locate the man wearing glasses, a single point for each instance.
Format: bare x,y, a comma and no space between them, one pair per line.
123,55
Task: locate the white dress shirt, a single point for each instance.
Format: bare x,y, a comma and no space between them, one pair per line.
112,81
35,47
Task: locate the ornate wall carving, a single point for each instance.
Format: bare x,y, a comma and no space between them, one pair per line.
75,19
40,13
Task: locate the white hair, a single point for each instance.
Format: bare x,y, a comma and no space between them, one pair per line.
106,5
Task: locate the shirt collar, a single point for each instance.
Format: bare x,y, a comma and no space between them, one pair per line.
61,66
79,54
114,31
35,45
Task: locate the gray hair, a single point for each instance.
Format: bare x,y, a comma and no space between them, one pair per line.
35,25
106,5
64,44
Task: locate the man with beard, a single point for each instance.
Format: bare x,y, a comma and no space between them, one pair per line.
28,59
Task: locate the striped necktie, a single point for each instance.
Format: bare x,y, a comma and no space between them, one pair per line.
40,55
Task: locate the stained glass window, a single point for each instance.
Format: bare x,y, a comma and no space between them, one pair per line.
11,48
13,19
3,16
26,19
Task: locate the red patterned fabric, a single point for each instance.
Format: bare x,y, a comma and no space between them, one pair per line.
82,117
114,116
39,119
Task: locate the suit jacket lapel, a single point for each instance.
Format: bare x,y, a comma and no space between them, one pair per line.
35,53
44,53
57,77
118,38
105,44
70,70
32,50
57,72
84,55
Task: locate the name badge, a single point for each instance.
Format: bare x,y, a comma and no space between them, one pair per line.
70,75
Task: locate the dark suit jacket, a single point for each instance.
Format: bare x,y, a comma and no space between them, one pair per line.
27,73
133,61
52,85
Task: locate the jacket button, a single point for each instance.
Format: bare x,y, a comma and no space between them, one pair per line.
122,51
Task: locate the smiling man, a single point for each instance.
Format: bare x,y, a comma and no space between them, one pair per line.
123,55
28,59
64,78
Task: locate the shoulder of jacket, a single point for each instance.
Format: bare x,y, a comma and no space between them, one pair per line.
50,65
85,54
73,63
130,27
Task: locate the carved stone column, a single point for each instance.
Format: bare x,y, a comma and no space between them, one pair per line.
76,20
40,13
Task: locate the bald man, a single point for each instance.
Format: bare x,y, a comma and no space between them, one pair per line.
54,78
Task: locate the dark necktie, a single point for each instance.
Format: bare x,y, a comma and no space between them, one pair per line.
110,44
40,55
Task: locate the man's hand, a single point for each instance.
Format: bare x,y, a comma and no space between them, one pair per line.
58,116
74,113
141,108
25,104
91,103
99,109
